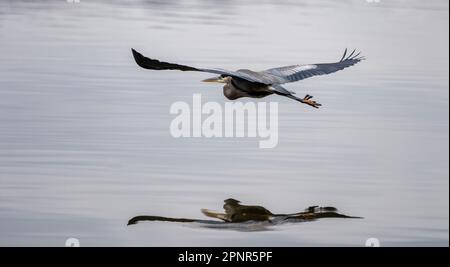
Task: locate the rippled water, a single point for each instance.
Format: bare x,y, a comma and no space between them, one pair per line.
84,133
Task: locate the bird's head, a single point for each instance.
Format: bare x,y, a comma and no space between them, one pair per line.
219,79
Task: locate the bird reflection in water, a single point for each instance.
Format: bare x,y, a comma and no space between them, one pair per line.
247,217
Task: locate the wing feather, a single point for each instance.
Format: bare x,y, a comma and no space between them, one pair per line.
295,73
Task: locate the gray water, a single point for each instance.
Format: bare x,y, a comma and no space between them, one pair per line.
84,133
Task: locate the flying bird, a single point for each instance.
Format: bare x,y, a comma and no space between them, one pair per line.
258,84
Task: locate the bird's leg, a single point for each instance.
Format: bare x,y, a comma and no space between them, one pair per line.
307,100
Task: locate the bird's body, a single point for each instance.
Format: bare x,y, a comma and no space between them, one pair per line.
235,88
248,83
236,212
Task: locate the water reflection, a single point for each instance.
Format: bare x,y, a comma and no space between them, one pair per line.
248,218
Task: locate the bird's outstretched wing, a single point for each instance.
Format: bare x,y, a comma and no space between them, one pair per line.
299,72
154,64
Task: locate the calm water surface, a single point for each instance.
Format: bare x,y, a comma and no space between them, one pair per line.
84,133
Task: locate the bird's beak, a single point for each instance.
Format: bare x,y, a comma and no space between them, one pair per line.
214,80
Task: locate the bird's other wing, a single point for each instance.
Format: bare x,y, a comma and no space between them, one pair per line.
299,72
154,64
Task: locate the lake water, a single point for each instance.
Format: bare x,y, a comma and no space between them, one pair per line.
84,133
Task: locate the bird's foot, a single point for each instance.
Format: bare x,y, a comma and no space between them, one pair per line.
307,100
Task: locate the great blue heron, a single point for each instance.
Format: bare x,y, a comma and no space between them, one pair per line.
247,83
